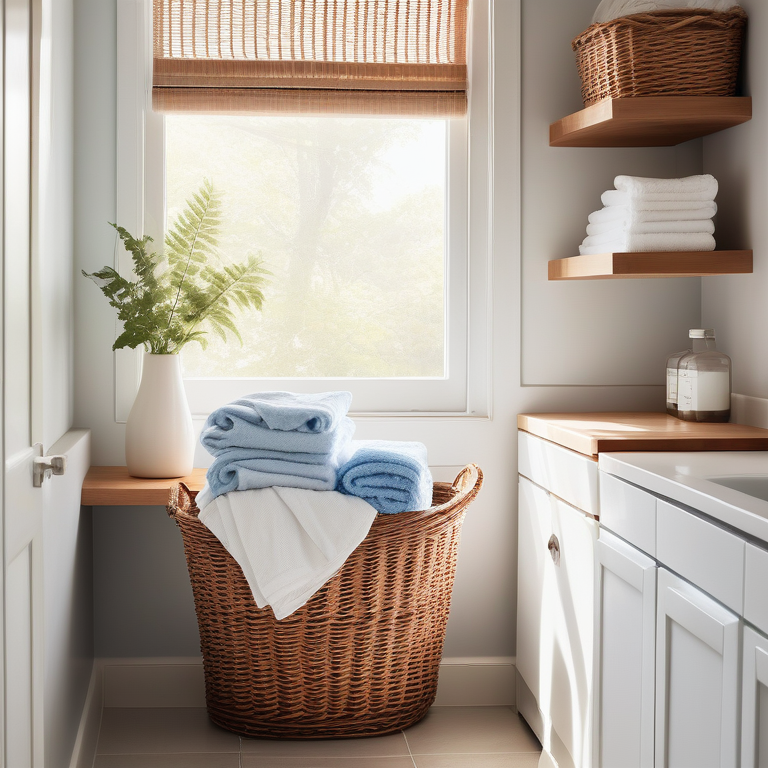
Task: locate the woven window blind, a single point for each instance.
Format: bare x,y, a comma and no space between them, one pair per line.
377,57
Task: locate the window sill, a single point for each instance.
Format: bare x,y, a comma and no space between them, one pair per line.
114,487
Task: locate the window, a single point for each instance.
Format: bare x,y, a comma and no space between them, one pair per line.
363,221
349,216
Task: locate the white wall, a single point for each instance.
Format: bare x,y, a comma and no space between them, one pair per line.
95,241
67,547
56,226
68,569
735,306
585,333
137,573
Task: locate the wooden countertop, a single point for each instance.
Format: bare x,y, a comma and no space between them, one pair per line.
593,433
113,486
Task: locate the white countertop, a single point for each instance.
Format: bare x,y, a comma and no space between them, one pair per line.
682,477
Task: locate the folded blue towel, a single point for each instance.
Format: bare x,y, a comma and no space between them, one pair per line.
281,421
237,470
391,476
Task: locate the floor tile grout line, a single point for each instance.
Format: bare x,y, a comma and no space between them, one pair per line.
483,754
407,744
410,754
165,753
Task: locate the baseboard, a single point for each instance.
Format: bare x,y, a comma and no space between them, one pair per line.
84,751
476,682
178,682
752,411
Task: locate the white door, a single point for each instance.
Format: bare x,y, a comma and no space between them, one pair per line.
575,536
698,645
625,646
754,701
22,503
536,605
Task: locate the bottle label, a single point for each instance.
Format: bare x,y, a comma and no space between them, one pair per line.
703,390
672,386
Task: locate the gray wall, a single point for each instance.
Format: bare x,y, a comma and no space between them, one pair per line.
586,332
142,596
143,603
67,545
735,306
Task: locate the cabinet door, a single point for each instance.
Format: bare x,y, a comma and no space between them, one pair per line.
697,678
536,599
625,646
573,652
754,701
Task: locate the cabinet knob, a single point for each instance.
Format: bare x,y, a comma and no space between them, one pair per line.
554,549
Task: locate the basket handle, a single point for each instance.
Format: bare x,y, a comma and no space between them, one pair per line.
469,480
644,20
651,20
180,498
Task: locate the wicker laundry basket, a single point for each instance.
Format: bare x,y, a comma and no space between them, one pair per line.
664,53
361,657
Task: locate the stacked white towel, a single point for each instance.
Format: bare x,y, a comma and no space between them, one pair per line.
654,215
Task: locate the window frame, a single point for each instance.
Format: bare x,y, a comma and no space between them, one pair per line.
140,208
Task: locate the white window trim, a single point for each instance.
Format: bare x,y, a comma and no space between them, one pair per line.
140,195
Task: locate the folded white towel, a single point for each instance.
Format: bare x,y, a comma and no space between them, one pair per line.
662,202
619,226
608,10
288,541
690,188
652,242
694,211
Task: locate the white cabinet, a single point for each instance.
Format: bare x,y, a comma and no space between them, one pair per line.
629,512
632,649
572,663
754,701
536,601
697,678
703,553
755,594
555,623
625,641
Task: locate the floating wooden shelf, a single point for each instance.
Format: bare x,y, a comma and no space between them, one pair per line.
604,266
649,121
114,487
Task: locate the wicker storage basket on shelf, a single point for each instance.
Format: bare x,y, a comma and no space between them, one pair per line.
664,53
361,657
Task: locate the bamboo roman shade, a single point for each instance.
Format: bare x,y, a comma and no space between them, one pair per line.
378,57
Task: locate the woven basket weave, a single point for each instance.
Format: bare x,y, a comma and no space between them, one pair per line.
665,53
361,657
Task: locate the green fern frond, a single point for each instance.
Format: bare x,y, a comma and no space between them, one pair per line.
163,309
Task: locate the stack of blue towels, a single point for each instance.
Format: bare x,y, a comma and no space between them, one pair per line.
305,441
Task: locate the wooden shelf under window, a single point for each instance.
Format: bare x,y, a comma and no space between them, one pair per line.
604,266
649,121
114,487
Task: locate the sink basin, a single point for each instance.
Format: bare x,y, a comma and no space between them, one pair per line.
751,485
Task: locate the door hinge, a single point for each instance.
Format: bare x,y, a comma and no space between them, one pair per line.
45,466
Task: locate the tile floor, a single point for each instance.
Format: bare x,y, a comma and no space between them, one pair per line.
448,737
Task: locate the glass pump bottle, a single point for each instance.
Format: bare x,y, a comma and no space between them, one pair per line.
672,363
704,380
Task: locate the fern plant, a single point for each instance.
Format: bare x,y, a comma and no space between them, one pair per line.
178,298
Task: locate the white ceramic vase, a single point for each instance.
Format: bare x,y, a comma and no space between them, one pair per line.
159,440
